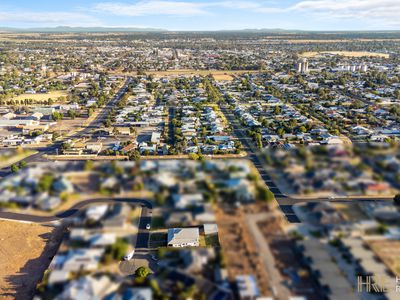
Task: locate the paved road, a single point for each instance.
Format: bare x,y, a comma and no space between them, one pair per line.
252,153
73,210
142,241
97,122
38,157
292,201
171,115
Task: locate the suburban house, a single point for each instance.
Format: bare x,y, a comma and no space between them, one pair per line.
183,237
182,201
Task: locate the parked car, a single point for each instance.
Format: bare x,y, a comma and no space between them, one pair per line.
129,256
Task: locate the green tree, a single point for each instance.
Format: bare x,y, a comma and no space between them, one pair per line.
133,130
118,249
193,156
280,131
56,116
303,129
55,136
382,228
264,194
142,272
160,198
45,183
155,287
277,110
71,114
14,168
65,146
107,123
258,139
22,164
397,94
88,165
134,155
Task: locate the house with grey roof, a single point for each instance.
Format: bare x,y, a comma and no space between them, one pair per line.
183,237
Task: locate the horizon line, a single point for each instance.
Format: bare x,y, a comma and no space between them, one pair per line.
153,29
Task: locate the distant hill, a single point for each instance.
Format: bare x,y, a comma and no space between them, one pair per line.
266,30
299,31
71,29
64,29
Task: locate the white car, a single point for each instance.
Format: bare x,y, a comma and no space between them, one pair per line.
148,226
129,255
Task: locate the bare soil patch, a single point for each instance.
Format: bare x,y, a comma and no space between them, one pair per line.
389,252
25,252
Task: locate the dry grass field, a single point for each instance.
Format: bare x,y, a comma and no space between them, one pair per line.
14,157
389,252
54,95
25,253
223,77
345,53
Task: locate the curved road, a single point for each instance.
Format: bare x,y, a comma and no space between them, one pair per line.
73,210
143,237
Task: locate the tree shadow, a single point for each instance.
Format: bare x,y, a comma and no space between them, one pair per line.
22,285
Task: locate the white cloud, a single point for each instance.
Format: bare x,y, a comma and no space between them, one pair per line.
48,18
257,7
143,8
386,11
236,4
183,8
376,13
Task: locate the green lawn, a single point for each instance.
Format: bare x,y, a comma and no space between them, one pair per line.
157,222
158,239
212,240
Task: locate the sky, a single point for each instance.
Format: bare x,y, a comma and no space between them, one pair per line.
204,14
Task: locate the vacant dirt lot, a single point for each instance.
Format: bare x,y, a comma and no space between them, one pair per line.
389,252
69,126
25,253
240,252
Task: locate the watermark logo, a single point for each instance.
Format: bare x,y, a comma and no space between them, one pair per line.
377,284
